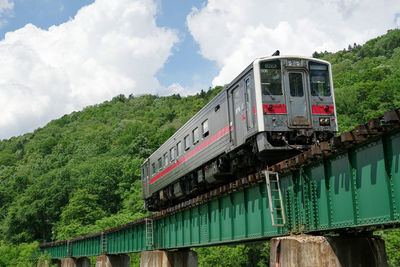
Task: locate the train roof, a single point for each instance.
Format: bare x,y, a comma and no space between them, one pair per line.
291,56
270,58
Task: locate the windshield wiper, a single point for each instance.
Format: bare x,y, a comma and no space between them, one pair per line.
316,92
268,91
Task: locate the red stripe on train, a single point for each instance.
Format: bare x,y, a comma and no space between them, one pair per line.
274,109
196,150
322,109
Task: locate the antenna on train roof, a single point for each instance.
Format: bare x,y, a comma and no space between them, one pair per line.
277,53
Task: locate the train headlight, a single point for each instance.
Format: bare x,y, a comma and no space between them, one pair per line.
324,121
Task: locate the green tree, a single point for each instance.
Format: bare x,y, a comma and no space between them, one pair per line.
82,210
223,256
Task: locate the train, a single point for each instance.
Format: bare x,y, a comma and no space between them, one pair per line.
275,108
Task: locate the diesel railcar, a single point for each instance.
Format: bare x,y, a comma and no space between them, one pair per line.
275,108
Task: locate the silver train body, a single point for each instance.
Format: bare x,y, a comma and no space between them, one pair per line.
277,107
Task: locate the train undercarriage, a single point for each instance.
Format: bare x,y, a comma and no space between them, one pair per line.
247,159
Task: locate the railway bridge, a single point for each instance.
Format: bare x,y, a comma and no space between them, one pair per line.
348,187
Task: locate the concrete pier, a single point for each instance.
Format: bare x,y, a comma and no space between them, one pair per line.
306,250
162,258
112,261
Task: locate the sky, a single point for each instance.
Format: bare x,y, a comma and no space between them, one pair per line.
59,56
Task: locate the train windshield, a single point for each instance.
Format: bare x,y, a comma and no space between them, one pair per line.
319,79
271,80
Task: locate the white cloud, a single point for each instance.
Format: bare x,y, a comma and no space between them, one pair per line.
108,48
6,8
397,20
177,88
5,5
234,32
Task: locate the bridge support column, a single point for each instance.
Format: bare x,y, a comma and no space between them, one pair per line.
112,261
73,262
305,250
162,258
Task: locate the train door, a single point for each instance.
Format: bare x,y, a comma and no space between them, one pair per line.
248,84
145,179
297,99
237,115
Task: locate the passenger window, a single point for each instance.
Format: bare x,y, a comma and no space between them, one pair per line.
172,154
179,150
159,164
153,166
204,127
296,84
187,142
271,81
195,135
166,159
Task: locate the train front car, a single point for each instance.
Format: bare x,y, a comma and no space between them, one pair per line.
275,108
295,102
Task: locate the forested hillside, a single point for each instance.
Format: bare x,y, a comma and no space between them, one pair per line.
366,79
81,173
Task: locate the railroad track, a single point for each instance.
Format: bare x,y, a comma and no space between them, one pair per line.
362,133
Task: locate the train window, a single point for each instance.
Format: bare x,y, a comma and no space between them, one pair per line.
153,166
187,142
166,159
296,84
195,135
159,163
179,150
271,81
172,153
217,107
319,79
204,127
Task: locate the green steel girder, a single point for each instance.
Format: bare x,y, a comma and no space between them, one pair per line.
354,188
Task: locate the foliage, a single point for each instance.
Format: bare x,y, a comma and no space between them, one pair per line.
251,254
223,256
22,255
82,172
392,244
366,79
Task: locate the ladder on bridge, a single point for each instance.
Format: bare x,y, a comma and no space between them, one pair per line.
149,232
275,198
103,242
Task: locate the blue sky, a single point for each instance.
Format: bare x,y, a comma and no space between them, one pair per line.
59,56
42,13
193,70
185,66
